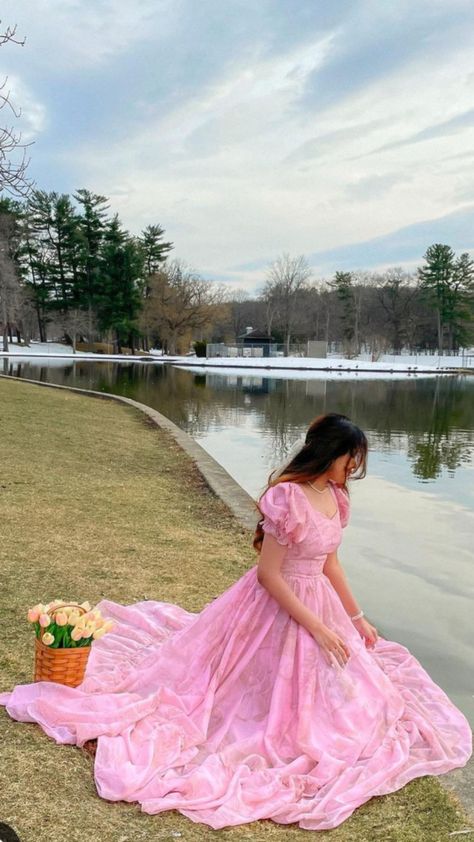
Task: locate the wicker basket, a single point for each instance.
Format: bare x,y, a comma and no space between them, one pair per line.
64,666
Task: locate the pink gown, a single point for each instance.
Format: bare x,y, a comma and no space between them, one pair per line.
233,714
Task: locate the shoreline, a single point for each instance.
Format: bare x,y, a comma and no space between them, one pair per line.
241,504
329,365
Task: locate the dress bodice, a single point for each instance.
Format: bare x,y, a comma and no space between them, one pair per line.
308,535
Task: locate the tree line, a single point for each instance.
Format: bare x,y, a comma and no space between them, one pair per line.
67,265
429,309
68,268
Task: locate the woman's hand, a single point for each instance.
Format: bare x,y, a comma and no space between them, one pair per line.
332,645
367,631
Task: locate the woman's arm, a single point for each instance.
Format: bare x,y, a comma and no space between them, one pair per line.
269,576
334,571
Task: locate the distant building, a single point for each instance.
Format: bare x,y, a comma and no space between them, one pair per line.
253,338
252,343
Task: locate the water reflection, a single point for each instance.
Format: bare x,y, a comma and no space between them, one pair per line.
429,420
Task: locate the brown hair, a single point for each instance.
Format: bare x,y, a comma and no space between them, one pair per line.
328,437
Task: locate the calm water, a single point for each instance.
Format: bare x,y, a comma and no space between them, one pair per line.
408,548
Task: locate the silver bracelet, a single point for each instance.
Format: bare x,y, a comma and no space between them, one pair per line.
358,616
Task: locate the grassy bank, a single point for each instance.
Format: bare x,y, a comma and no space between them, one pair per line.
95,502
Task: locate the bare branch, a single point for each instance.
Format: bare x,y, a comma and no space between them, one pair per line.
13,178
180,301
9,35
286,279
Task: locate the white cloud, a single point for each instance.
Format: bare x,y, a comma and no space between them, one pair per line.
231,161
83,35
29,115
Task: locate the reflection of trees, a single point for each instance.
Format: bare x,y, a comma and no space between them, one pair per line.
431,454
429,419
435,450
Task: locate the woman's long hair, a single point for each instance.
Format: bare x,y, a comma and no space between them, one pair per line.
328,437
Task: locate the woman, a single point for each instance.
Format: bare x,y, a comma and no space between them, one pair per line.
279,699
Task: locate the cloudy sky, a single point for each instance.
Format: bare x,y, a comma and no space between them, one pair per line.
343,131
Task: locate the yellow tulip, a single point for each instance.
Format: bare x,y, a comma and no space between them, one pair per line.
91,626
99,633
76,633
47,638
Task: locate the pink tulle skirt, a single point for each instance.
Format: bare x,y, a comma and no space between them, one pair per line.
233,714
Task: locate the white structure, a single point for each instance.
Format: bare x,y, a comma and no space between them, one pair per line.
317,348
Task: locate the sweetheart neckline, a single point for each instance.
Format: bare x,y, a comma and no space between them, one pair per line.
328,517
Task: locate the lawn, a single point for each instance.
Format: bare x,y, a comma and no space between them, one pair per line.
96,501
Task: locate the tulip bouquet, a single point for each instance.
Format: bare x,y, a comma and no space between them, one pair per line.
68,625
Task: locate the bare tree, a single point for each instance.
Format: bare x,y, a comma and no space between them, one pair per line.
75,322
9,283
238,308
396,293
25,321
12,168
286,278
270,302
179,302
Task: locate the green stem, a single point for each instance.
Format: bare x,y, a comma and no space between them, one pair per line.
58,637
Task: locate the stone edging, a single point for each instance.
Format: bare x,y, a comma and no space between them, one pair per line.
241,504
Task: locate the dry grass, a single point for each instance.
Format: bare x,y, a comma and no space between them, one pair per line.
95,501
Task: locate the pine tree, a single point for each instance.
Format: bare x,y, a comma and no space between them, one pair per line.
119,301
343,285
437,282
55,227
155,251
92,226
461,303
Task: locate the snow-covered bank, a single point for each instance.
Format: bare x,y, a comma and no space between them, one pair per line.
56,350
329,364
445,361
389,365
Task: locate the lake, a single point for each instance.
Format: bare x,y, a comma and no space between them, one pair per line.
408,548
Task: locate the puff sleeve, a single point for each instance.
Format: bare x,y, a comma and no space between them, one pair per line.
285,516
344,504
